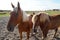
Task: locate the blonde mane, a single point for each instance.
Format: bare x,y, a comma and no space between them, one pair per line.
25,16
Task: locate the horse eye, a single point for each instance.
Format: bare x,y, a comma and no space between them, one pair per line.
16,14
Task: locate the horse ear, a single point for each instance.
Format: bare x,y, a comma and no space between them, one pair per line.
18,5
33,13
12,5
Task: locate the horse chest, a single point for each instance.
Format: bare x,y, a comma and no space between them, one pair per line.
24,25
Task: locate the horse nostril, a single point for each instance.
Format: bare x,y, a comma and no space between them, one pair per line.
10,28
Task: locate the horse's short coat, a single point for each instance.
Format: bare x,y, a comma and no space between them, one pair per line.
42,20
23,20
46,22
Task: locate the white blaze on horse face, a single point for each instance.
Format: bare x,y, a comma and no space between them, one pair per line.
25,16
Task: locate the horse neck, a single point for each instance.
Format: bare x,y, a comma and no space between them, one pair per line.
21,16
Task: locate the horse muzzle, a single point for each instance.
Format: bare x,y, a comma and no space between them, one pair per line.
10,28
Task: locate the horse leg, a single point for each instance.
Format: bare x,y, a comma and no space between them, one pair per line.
20,35
28,35
45,33
35,29
46,29
55,32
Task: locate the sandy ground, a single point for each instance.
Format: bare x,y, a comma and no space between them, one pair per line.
5,35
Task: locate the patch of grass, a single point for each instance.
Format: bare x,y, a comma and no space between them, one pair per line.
50,12
2,14
53,12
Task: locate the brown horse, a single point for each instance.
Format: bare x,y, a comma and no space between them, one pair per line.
22,19
46,22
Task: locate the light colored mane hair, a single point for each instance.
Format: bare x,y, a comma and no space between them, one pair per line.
25,15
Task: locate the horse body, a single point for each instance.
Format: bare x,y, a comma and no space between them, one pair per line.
42,20
22,19
46,23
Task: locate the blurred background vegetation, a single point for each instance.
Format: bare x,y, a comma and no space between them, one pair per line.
50,12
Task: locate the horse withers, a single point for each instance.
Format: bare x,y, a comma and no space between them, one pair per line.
17,16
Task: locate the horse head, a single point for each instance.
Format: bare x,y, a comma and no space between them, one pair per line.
15,17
